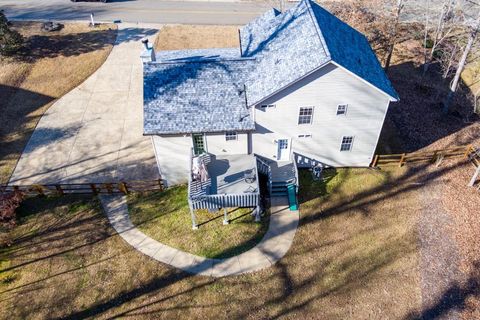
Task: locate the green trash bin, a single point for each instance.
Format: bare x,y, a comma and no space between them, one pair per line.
292,197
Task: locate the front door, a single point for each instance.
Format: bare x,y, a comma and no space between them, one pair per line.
283,153
198,144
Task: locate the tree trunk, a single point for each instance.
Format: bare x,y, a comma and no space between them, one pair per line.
394,35
461,66
439,32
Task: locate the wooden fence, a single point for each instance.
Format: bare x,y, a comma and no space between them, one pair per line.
435,156
86,188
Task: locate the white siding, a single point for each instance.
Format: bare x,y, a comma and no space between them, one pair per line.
217,144
325,90
173,154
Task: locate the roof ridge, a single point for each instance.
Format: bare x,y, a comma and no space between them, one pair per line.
317,28
205,60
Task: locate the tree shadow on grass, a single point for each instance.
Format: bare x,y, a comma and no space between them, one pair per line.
299,284
418,117
454,299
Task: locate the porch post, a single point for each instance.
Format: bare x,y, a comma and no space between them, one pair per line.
257,214
225,217
194,219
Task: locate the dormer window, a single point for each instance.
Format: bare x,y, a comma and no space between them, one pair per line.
342,109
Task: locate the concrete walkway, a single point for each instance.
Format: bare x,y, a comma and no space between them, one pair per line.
94,133
273,246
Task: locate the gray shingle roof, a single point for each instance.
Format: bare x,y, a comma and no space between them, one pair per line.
202,95
203,90
351,50
286,48
290,45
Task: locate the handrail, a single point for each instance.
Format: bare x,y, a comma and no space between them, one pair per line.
295,169
190,175
269,173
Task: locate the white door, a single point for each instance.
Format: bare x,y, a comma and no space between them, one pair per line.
283,153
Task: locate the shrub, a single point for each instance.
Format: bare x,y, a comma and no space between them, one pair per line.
10,40
9,202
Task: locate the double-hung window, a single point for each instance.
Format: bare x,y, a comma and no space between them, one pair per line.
347,143
342,109
230,136
305,115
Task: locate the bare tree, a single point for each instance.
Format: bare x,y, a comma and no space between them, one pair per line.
393,37
461,64
447,21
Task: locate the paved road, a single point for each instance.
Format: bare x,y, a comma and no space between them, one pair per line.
149,11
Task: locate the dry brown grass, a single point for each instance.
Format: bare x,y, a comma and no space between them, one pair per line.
50,65
178,37
353,257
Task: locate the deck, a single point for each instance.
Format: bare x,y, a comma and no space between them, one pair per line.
228,174
232,181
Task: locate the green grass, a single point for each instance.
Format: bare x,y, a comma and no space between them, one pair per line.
165,216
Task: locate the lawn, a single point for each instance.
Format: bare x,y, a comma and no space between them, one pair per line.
354,257
165,216
50,65
178,37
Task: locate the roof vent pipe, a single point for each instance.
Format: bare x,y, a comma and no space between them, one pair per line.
148,54
145,43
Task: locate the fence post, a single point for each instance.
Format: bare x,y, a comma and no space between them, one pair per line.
467,151
94,188
402,159
123,187
39,189
434,157
59,189
375,160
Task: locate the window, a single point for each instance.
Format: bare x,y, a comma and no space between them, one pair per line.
265,106
306,115
198,144
347,143
304,136
230,135
342,109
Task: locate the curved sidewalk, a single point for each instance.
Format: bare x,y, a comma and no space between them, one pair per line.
273,246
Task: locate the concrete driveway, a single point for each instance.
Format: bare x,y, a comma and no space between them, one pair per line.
94,133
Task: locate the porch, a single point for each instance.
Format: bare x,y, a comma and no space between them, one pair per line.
226,181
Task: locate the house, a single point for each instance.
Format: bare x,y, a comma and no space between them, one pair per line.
302,89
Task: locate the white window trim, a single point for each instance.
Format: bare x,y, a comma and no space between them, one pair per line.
351,144
311,119
233,133
346,109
